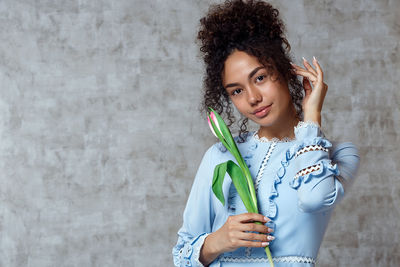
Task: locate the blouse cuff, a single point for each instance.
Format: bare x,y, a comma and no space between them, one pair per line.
310,140
189,255
305,129
309,137
310,152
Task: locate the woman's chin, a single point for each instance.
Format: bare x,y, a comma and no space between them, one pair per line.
263,122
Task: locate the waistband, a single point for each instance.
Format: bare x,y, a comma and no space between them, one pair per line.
296,259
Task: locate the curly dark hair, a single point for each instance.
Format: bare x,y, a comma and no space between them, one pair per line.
250,26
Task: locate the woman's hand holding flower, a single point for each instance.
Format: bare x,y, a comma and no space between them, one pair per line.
235,233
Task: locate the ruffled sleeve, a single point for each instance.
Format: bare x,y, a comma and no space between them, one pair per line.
318,177
197,217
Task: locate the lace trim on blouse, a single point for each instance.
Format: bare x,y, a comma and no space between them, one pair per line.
274,139
307,170
312,169
300,124
310,148
306,124
196,253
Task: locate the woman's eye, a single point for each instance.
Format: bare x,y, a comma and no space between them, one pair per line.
236,91
260,78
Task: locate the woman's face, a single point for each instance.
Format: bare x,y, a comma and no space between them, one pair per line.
255,91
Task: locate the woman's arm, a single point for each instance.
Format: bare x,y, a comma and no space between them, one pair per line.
209,252
196,245
198,216
317,177
320,175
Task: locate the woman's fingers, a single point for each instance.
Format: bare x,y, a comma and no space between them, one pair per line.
246,222
254,244
243,239
312,74
309,67
306,73
319,70
255,237
252,217
245,230
307,87
252,227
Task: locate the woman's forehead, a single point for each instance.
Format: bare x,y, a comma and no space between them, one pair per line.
239,65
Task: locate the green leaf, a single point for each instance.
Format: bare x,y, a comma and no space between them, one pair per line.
241,185
218,180
227,135
230,144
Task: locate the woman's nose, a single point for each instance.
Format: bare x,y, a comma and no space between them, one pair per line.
254,96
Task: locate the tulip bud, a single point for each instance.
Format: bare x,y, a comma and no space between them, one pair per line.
211,127
215,120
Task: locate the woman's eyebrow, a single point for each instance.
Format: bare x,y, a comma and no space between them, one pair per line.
249,77
231,85
255,71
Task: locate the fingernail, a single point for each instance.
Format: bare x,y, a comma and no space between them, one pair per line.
264,244
270,237
315,58
291,63
270,230
266,219
305,59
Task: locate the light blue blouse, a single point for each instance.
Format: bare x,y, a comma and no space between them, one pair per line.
298,183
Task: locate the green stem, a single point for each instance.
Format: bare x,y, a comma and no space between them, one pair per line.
246,171
251,187
228,141
267,251
250,181
269,256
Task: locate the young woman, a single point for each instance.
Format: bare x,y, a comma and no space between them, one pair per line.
299,175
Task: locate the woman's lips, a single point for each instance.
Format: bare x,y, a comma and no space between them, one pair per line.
262,112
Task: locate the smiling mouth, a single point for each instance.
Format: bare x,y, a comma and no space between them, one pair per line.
261,112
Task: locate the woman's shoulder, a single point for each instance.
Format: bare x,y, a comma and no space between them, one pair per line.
217,152
243,142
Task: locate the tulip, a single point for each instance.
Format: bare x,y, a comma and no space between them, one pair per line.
240,175
211,127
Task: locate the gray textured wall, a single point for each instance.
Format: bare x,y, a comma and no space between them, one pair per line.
100,136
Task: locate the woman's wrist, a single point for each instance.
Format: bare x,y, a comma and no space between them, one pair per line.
313,117
209,251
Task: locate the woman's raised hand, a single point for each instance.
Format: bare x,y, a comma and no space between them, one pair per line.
315,94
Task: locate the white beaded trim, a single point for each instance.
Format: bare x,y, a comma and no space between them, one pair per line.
263,165
258,179
291,259
311,148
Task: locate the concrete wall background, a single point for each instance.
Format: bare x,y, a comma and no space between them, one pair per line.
100,134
